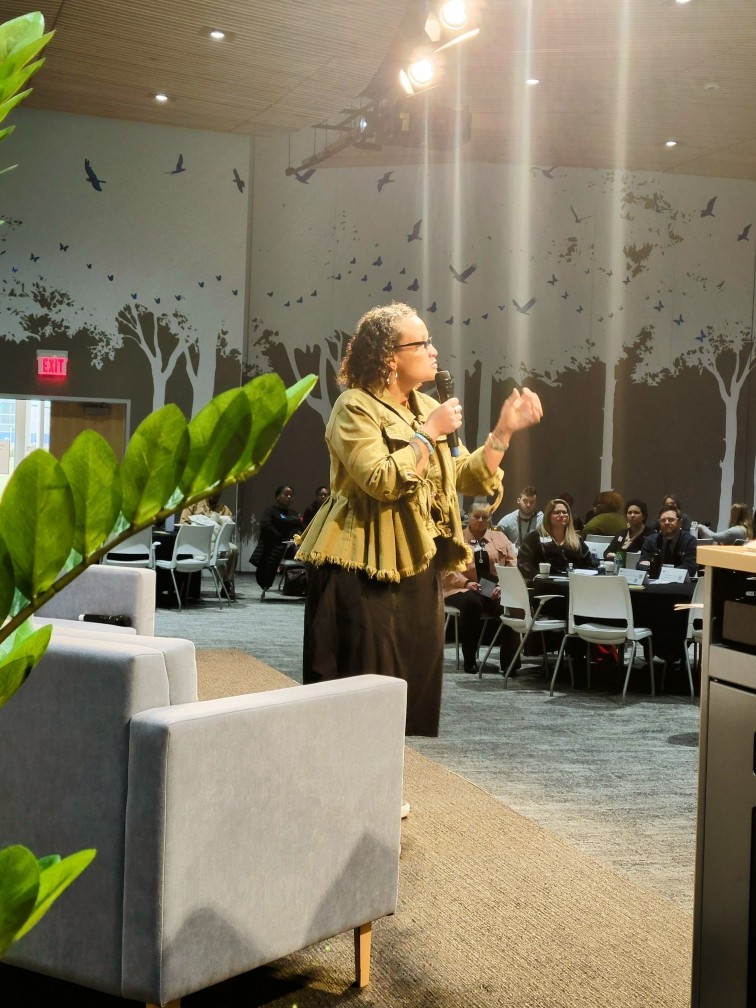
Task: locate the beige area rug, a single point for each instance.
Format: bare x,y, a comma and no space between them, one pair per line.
493,911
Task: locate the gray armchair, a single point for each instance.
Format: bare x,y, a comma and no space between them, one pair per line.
229,833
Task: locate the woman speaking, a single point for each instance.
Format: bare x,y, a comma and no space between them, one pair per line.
377,548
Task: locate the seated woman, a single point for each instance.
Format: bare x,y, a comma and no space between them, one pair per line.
279,522
609,518
465,589
630,540
740,527
555,542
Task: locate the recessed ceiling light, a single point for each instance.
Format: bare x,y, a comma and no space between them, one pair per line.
682,1
161,97
532,81
711,86
670,143
217,34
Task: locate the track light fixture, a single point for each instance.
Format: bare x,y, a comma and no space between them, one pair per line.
445,26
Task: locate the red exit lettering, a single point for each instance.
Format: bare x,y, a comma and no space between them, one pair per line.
56,367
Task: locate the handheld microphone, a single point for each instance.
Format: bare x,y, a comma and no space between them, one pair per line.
445,389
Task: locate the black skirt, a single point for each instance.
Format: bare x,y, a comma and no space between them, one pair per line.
355,625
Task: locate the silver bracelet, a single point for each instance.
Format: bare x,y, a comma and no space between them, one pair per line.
499,446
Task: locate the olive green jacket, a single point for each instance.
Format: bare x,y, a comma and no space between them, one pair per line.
382,518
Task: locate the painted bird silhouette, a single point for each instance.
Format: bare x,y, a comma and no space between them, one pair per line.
709,210
679,320
449,321
659,306
388,287
96,183
378,261
552,281
524,309
179,166
304,176
63,248
579,220
33,258
743,236
701,337
240,183
546,172
414,234
414,285
385,180
465,274
432,308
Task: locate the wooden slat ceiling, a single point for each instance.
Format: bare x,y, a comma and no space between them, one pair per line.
618,77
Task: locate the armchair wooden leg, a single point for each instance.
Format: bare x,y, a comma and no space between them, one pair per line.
362,938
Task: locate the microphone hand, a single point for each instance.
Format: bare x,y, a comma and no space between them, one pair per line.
444,419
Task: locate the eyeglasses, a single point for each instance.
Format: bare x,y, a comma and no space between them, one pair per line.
561,514
423,343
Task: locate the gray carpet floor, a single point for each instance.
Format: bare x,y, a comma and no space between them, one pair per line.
618,782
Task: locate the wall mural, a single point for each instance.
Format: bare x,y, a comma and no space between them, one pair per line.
624,298
137,262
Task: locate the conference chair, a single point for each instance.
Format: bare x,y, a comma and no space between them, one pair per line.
515,601
136,551
600,612
191,553
693,635
219,557
452,613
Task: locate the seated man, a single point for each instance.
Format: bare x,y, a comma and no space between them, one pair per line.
672,546
465,589
525,518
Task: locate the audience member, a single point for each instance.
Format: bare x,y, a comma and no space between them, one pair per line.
474,591
631,539
524,519
568,499
322,493
555,542
740,527
608,519
673,546
208,510
279,522
670,501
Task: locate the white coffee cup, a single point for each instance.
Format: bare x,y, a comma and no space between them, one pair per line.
544,569
608,566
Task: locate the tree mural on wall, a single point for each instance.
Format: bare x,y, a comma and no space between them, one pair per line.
728,356
267,351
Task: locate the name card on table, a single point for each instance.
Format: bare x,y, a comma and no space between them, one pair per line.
633,577
673,575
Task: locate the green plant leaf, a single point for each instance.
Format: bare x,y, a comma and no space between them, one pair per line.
298,392
37,519
154,461
92,471
13,83
267,403
219,435
3,134
56,875
23,54
19,32
18,656
7,580
19,885
10,104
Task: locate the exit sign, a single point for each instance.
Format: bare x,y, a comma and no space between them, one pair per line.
52,363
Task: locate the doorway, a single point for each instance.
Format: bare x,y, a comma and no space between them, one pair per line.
52,424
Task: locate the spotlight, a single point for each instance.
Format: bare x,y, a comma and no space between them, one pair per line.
418,75
453,15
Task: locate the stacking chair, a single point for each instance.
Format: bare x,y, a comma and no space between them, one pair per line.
136,551
595,537
452,613
515,599
191,553
601,612
220,554
693,635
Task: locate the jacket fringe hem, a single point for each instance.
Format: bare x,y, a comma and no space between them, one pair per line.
320,559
